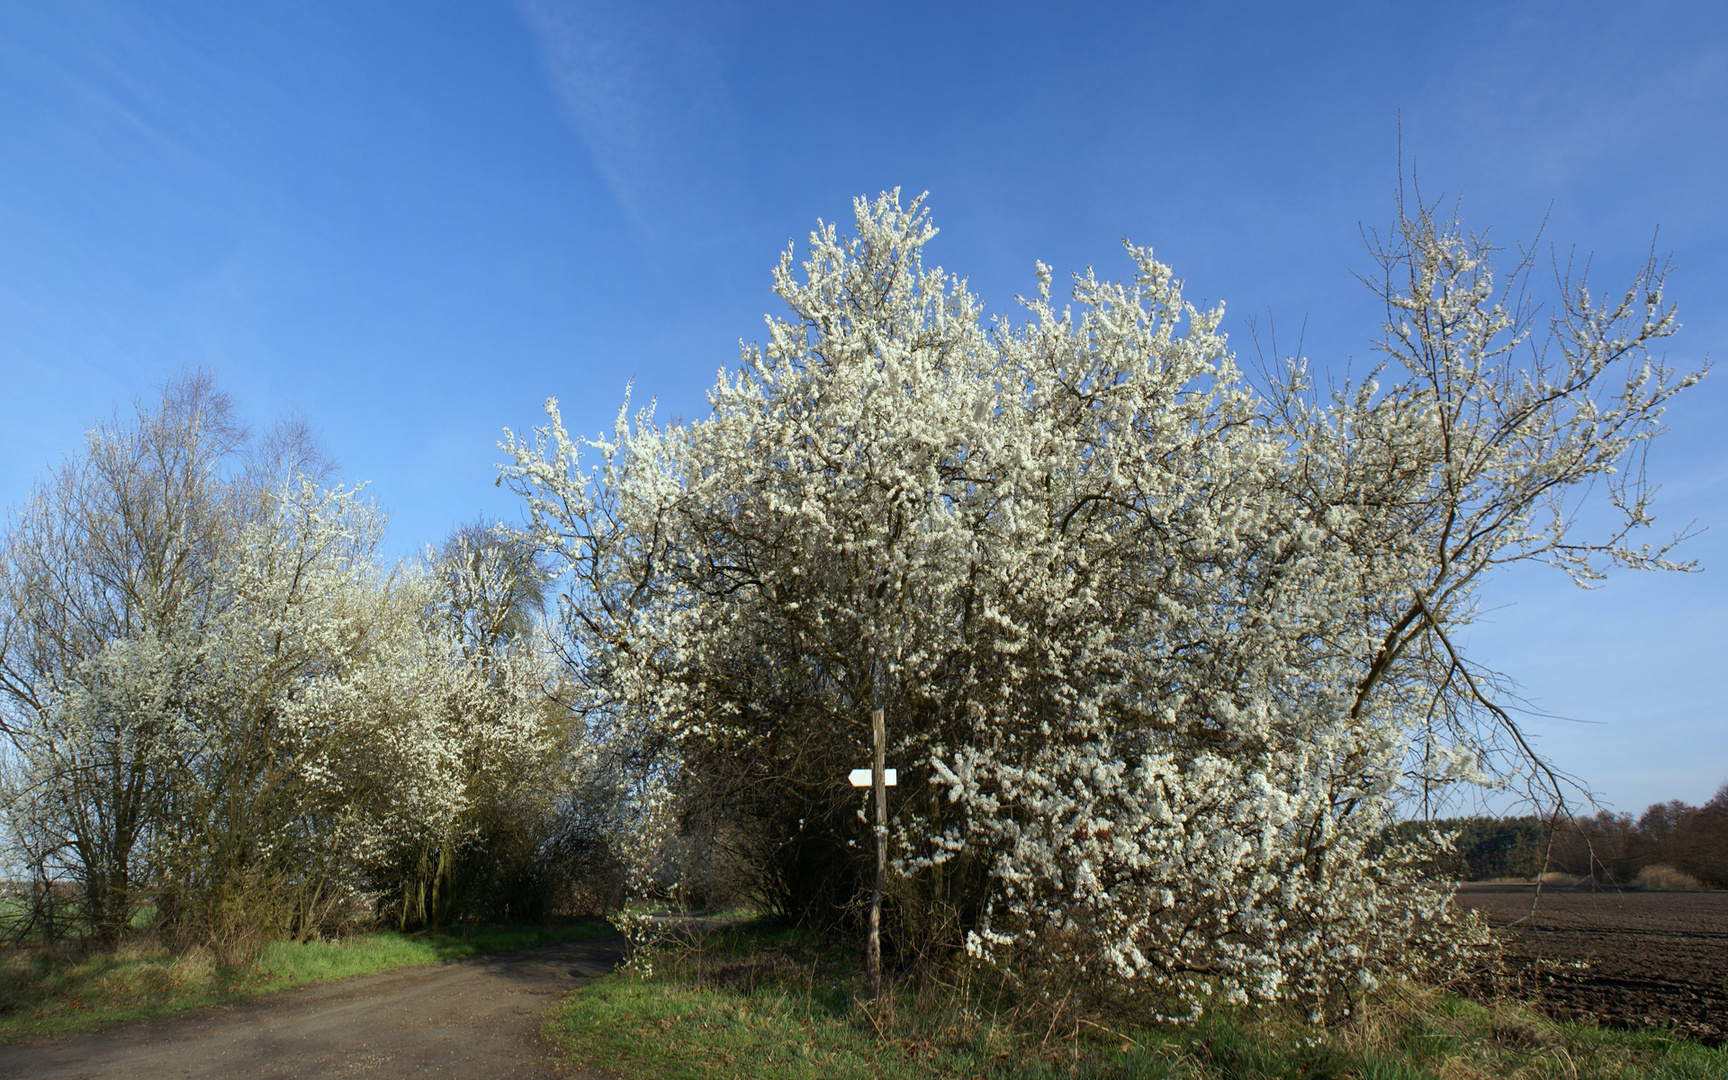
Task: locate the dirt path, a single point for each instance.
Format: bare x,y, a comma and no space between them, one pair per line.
470,1019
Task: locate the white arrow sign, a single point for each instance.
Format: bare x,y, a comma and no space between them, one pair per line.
861,777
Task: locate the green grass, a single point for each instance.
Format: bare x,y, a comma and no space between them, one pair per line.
48,991
759,1004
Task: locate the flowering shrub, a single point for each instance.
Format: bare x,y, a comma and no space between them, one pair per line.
1185,881
217,701
1167,651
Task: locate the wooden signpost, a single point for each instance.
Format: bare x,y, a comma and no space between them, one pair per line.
879,778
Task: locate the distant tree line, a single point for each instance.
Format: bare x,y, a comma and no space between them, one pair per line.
1609,848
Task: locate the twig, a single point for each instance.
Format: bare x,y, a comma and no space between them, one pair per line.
1117,1034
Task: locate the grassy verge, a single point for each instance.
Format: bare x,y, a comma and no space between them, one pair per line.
46,992
762,1004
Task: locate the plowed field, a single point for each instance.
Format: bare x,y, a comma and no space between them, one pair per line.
1628,959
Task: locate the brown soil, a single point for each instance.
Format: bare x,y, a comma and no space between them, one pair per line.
1628,959
471,1018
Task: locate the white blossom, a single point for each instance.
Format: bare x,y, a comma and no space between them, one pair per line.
1170,649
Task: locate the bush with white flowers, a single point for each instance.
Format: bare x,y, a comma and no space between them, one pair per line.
216,702
1162,653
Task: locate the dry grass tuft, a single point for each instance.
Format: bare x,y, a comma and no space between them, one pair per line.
1666,878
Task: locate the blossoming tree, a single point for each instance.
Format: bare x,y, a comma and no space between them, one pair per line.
217,701
1165,651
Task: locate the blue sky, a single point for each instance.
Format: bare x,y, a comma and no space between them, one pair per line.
413,222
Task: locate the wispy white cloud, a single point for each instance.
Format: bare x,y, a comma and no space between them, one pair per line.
644,83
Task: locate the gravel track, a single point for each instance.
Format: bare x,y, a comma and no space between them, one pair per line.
476,1018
